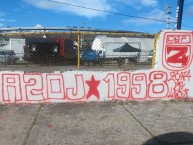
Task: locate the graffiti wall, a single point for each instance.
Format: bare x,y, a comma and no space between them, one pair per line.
171,79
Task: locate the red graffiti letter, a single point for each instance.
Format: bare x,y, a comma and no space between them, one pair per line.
55,86
78,92
139,86
179,56
11,88
158,87
123,82
33,87
110,79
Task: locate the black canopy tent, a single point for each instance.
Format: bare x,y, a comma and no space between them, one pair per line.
127,48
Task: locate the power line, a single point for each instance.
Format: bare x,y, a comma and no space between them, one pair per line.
110,12
187,26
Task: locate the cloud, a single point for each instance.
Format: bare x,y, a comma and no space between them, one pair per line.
6,20
155,14
17,9
138,4
190,10
1,25
2,14
95,4
3,20
38,26
149,2
188,1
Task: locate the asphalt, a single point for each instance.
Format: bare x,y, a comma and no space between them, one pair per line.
110,123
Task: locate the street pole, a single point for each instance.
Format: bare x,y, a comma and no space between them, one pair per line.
179,13
168,12
78,63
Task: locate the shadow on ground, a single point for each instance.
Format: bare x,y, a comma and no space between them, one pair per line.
173,138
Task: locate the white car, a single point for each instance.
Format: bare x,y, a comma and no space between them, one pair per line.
8,57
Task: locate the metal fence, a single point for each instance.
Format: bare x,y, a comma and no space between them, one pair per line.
48,51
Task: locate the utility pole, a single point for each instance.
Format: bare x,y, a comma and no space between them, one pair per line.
168,12
179,12
82,35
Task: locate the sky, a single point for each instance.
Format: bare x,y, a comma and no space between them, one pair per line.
47,13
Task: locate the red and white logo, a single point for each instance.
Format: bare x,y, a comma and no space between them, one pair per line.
177,53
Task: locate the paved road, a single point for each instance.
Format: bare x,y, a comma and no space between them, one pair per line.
50,69
115,123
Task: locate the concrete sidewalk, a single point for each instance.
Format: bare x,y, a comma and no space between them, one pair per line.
132,123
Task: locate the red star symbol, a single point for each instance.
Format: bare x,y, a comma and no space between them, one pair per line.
93,84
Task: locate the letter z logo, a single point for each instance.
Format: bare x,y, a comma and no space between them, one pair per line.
177,57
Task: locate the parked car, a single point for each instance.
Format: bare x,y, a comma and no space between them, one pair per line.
89,56
8,57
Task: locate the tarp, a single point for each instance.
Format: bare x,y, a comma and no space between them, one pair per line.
127,48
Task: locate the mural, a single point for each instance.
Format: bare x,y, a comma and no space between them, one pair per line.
171,79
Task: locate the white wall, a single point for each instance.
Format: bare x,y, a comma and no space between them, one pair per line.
171,79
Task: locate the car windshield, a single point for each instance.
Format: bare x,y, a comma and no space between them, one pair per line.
2,52
5,52
10,53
